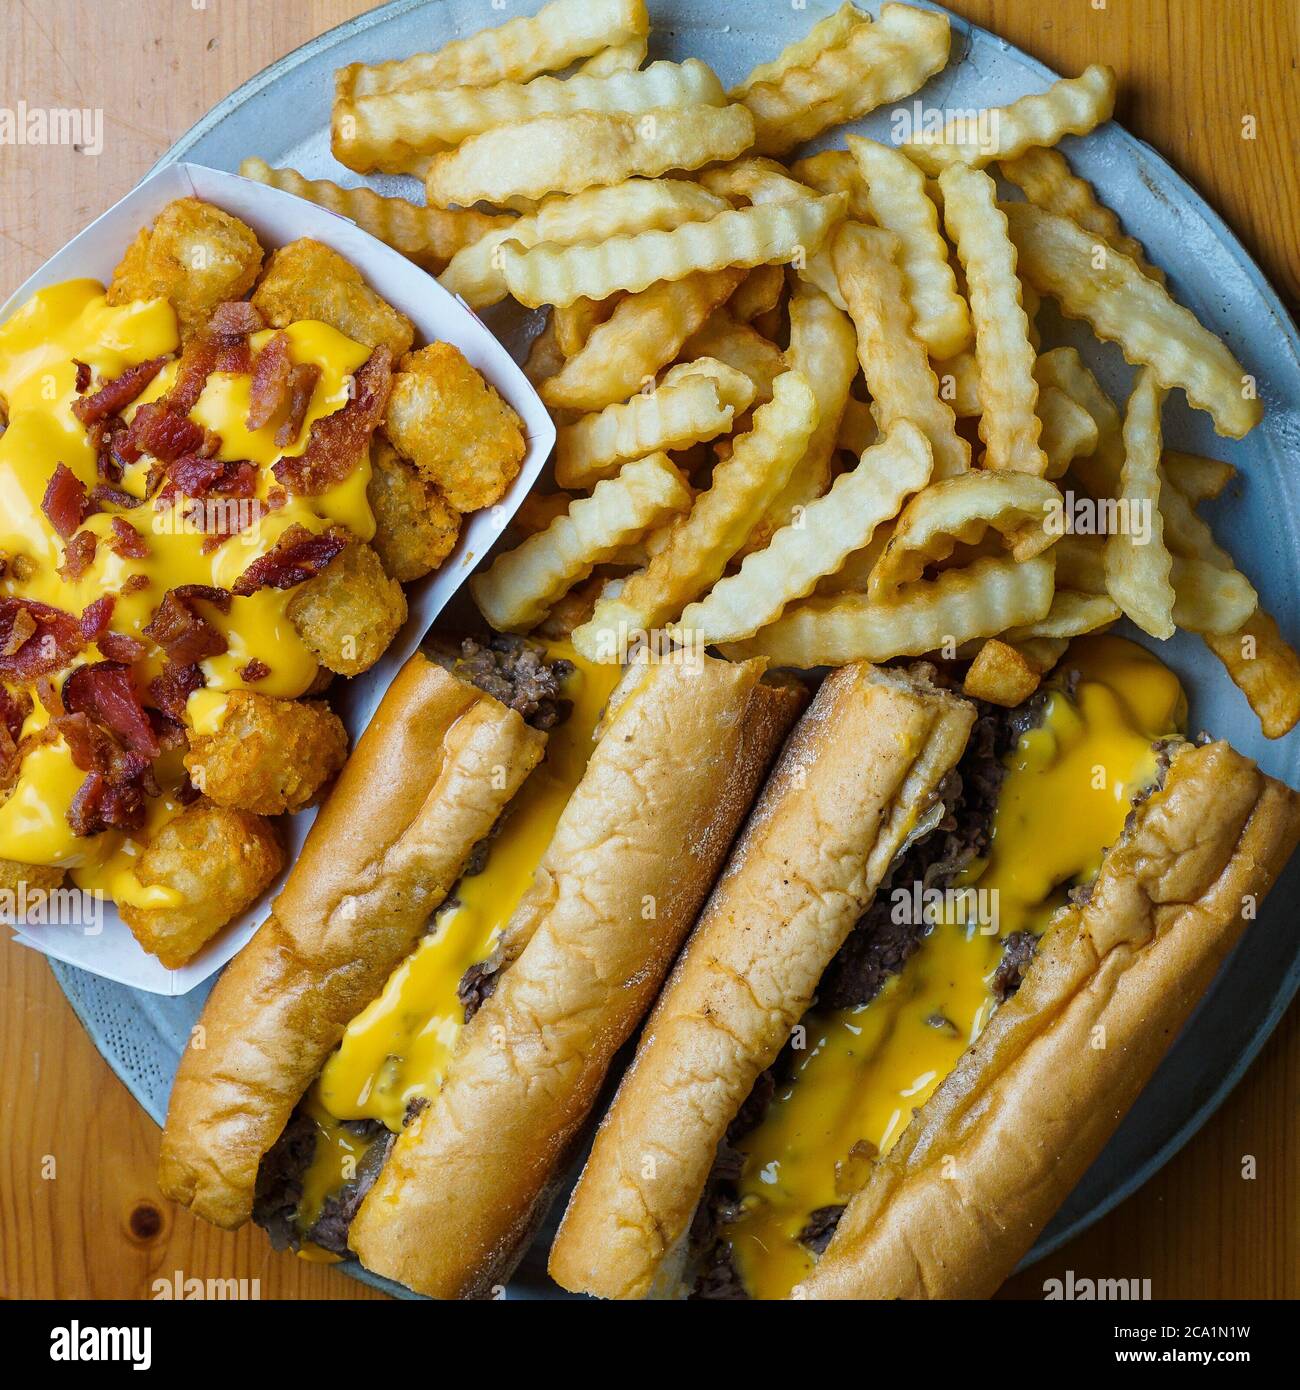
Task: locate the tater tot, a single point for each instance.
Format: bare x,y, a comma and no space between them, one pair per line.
308,280
37,878
415,526
195,256
454,427
268,756
219,861
349,613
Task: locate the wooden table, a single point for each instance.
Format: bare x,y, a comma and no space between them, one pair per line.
1190,72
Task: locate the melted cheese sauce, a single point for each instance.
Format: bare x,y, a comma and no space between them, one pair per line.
396,1050
1065,798
38,343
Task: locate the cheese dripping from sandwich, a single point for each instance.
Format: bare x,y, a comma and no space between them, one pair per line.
1079,757
394,1053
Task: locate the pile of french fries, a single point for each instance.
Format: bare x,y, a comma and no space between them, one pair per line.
803,407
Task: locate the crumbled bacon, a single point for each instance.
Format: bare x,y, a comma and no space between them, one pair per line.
96,617
276,497
268,395
198,361
184,634
227,330
338,441
161,431
106,693
102,495
65,500
15,706
78,556
102,804
23,629
118,646
135,582
302,386
171,732
193,476
174,686
125,541
83,376
254,671
296,557
51,696
113,452
113,396
233,319
54,639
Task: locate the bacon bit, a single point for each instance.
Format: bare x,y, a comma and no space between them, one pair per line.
109,439
23,629
106,693
135,582
55,640
14,709
197,363
302,386
174,686
159,430
101,804
101,496
233,319
78,556
337,441
118,646
65,500
227,330
96,618
211,445
192,476
276,497
126,542
269,393
51,697
15,706
114,395
254,671
171,732
296,557
184,634
83,376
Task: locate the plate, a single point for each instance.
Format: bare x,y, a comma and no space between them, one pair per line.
283,115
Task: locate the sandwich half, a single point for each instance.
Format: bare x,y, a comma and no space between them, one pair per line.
888,1095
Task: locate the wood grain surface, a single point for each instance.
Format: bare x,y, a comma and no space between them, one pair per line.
80,1213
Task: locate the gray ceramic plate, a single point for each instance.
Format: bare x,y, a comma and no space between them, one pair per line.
283,115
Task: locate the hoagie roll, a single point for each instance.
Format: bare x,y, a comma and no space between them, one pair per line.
682,752
957,1202
861,772
841,1171
426,782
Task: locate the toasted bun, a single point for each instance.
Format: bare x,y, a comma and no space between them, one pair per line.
858,771
634,853
426,782
961,1197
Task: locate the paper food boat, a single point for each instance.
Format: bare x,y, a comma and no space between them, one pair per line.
108,948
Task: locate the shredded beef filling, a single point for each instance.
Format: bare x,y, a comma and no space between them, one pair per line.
875,949
283,1171
515,672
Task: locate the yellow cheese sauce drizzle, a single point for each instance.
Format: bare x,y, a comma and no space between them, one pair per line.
1064,799
396,1050
38,345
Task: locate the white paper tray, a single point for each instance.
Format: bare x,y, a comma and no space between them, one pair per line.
278,218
